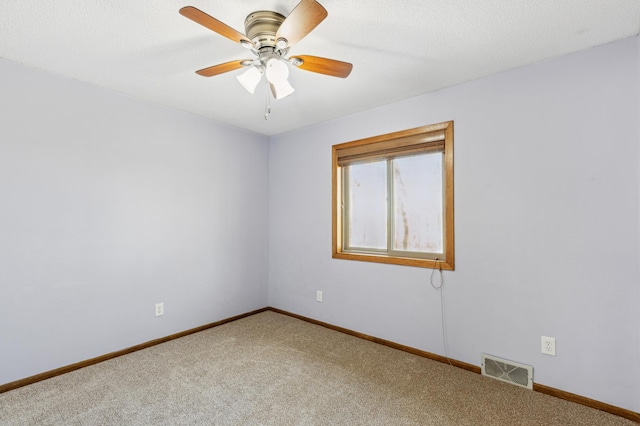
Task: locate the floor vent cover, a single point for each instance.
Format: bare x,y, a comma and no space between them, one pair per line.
507,371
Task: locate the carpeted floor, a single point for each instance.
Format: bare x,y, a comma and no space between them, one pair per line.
271,369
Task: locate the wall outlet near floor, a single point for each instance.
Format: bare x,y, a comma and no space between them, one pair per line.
319,296
548,345
159,309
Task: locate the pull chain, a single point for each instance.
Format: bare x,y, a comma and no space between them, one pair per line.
267,104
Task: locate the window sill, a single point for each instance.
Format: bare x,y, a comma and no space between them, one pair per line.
394,260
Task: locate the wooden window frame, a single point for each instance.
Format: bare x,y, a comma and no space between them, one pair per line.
388,146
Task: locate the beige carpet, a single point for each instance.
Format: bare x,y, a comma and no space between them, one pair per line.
271,369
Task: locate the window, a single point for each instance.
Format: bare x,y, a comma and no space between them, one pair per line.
393,198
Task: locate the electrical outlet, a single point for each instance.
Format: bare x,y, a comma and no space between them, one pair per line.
319,296
548,345
159,309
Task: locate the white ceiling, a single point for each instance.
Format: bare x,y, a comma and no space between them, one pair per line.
398,49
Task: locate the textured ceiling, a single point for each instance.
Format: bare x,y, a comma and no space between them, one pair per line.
399,49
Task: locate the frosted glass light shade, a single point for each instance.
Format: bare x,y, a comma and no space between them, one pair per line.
250,79
277,73
281,89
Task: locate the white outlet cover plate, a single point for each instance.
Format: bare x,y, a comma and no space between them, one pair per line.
548,345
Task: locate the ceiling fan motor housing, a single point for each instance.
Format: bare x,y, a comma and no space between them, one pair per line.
261,27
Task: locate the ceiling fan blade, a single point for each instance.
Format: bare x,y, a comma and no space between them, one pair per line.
324,66
221,68
198,16
301,21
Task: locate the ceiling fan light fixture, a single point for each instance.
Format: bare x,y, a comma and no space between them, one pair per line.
281,89
250,79
276,71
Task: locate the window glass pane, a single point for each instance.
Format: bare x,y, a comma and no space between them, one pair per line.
367,205
417,193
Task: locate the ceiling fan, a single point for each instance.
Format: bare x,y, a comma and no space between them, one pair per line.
269,35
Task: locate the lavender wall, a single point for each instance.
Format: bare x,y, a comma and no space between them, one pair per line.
109,205
547,225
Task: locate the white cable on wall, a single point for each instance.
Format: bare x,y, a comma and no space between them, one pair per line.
440,288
